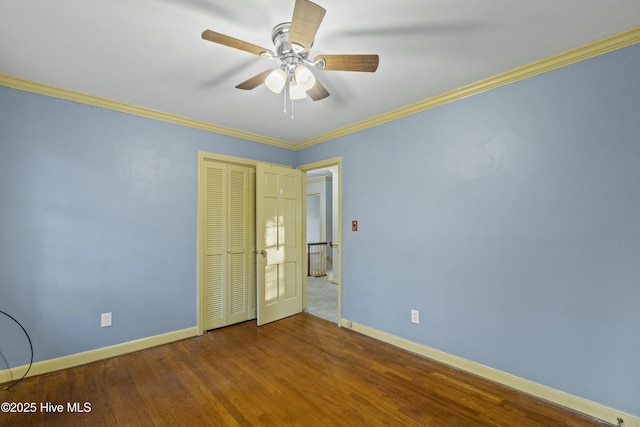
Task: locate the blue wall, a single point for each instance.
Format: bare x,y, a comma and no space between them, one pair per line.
511,220
98,213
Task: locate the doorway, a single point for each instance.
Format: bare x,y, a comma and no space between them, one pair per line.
323,213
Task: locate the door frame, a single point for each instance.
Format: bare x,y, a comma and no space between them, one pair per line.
331,162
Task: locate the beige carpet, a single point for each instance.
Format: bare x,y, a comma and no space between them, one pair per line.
322,298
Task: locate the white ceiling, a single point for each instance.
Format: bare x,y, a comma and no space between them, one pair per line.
150,52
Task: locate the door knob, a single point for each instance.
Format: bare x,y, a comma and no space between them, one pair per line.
263,253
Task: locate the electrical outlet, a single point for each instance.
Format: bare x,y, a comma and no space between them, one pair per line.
105,320
415,316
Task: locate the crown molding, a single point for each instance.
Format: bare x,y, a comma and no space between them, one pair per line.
110,104
319,179
600,47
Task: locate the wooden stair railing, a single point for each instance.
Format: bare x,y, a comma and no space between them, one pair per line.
317,259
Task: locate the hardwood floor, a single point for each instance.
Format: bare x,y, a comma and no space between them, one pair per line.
298,371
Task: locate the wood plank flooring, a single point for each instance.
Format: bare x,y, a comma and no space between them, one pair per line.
300,371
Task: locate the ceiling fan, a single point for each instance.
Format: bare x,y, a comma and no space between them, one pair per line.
292,42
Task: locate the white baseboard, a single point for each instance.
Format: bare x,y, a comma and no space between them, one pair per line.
52,365
538,390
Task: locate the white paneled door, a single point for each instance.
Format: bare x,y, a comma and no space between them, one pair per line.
279,241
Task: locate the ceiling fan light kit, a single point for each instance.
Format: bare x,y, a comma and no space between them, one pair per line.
296,91
276,80
292,41
304,77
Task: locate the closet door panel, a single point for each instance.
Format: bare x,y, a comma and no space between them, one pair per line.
214,244
228,254
238,303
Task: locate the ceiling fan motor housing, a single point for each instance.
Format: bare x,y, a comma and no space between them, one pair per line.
289,55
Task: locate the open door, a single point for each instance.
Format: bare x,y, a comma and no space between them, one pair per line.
279,240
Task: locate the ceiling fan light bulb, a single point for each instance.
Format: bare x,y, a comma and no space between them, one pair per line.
296,91
275,80
304,77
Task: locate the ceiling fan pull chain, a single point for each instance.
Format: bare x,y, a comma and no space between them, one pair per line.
287,92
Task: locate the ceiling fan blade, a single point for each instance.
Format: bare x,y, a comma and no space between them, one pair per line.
254,81
222,39
318,92
306,20
366,63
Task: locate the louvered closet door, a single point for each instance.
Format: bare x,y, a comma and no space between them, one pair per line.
240,249
214,245
228,270
252,253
